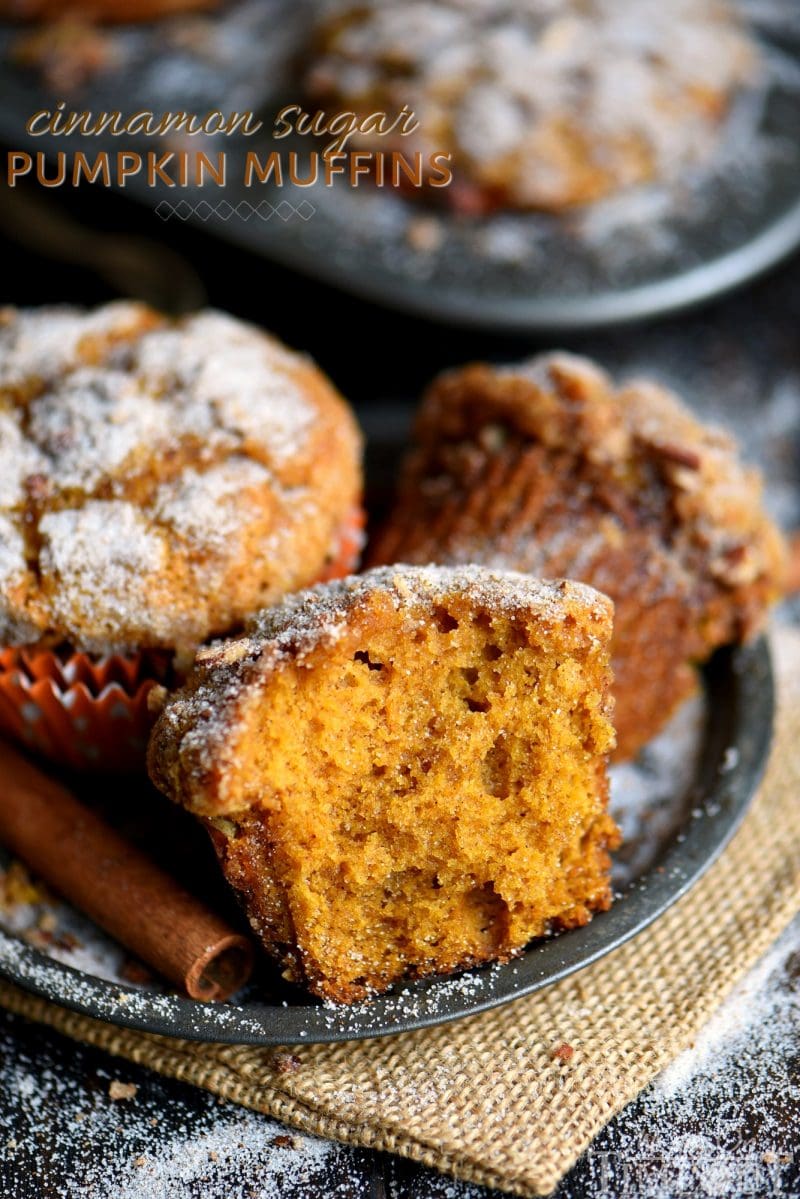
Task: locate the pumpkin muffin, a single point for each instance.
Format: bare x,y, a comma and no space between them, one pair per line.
548,467
541,104
403,772
160,480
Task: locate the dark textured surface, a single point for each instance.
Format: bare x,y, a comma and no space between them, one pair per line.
728,1130
739,361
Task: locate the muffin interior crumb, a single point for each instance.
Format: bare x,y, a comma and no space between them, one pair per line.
424,790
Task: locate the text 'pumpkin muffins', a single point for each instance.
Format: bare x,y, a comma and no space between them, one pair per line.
543,104
548,467
159,481
403,772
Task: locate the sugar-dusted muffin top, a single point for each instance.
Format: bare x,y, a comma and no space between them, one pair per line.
160,479
541,103
191,746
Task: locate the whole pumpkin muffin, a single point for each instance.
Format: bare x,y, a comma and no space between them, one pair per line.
160,480
551,468
404,773
541,104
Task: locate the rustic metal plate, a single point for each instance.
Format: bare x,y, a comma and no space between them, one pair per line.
652,251
732,750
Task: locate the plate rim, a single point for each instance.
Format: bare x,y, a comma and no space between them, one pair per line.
707,830
516,315
775,236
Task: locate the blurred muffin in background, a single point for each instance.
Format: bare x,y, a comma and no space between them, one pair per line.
542,104
549,468
160,481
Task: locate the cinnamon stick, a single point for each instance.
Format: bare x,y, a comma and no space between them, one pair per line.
116,885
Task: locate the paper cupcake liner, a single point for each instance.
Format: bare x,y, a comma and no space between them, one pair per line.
347,547
78,711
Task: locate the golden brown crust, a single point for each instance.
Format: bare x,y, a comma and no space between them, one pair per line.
403,772
548,467
160,480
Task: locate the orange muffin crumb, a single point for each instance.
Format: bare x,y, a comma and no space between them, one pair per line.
403,772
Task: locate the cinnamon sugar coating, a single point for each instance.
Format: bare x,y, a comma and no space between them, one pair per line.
542,104
159,479
549,467
403,772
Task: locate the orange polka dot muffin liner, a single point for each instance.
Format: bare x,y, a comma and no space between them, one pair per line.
80,711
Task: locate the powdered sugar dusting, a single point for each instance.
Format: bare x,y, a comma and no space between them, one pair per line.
129,442
722,1118
207,1156
18,460
159,1141
12,555
90,426
245,387
315,616
649,795
47,343
210,507
13,572
638,85
102,559
719,1122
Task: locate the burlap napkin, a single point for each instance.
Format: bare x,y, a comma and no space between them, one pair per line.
488,1099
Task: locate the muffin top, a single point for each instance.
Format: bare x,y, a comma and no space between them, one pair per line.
160,479
191,745
541,103
309,620
612,462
